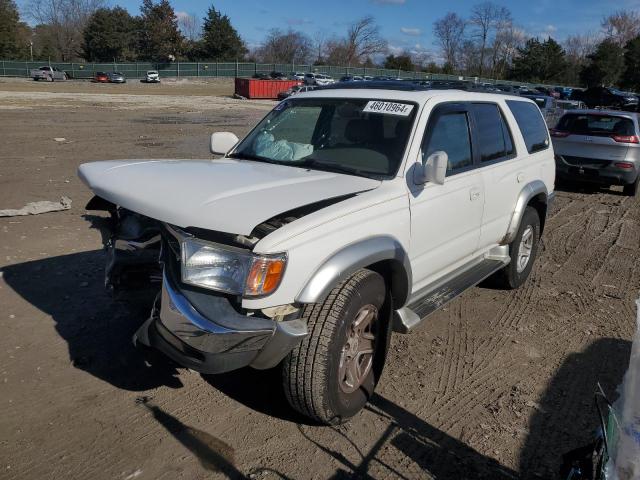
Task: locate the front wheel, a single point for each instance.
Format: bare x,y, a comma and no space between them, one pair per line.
332,374
523,251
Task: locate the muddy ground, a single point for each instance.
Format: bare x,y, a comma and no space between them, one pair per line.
497,385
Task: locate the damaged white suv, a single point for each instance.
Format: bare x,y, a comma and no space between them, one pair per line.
344,215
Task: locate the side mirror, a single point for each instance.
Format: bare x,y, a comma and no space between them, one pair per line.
434,168
222,142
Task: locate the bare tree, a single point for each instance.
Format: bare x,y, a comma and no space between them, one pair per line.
449,32
486,17
621,26
363,40
190,26
577,48
507,39
66,20
286,47
320,44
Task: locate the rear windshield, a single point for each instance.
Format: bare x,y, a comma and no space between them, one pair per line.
590,124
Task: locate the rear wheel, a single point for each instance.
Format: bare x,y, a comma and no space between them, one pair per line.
633,188
523,251
332,374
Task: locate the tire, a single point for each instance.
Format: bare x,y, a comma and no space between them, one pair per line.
633,189
517,272
315,384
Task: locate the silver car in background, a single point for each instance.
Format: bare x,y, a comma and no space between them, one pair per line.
152,76
600,147
116,77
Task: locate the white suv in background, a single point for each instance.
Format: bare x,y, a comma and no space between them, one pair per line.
344,215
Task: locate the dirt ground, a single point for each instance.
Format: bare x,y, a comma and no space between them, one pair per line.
497,385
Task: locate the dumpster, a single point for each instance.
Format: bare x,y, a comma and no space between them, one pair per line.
256,88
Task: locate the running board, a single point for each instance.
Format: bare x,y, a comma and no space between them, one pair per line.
437,295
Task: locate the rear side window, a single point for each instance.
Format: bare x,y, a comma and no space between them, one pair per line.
450,133
493,134
531,124
595,125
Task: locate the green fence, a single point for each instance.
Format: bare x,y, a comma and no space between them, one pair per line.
12,68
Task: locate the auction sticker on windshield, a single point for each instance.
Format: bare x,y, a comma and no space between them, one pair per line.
390,108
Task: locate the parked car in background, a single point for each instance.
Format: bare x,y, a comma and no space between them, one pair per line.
278,75
571,105
548,106
600,147
608,97
503,87
351,78
152,76
262,76
49,74
319,79
296,76
367,78
295,90
563,92
100,77
116,77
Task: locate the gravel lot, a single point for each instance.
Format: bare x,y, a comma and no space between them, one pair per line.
497,385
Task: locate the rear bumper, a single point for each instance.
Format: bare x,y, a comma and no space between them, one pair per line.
205,333
605,174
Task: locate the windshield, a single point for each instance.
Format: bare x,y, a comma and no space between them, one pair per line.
355,136
595,125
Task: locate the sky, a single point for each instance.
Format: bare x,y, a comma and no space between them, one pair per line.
406,24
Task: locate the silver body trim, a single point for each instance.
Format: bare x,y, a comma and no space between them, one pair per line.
350,259
529,191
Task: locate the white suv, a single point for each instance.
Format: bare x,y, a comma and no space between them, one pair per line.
344,215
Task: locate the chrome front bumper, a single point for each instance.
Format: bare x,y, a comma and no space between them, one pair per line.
203,331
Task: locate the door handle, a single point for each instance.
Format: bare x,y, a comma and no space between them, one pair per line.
474,194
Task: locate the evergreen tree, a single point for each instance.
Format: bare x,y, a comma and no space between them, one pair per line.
539,61
160,38
220,41
109,34
631,76
605,66
9,29
399,62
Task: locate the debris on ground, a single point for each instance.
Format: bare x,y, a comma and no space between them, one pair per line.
60,139
36,208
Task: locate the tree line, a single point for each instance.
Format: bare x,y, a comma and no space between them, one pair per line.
487,43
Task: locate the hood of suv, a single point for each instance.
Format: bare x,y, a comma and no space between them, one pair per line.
224,195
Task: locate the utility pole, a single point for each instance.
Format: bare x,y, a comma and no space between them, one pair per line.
31,49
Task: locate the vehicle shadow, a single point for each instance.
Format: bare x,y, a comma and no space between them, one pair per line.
569,186
566,417
97,328
259,390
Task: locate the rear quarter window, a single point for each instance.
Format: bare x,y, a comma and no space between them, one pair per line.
531,124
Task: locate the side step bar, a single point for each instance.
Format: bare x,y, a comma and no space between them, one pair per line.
441,292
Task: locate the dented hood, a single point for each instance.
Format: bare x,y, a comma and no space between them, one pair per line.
225,195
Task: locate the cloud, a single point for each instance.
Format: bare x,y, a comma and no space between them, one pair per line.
181,15
414,32
388,2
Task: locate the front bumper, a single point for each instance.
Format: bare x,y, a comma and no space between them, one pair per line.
203,331
602,172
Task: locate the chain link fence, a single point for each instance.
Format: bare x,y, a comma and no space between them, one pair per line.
12,68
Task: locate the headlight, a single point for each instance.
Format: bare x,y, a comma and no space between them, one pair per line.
230,270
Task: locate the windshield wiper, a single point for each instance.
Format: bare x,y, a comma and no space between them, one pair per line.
331,167
255,158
